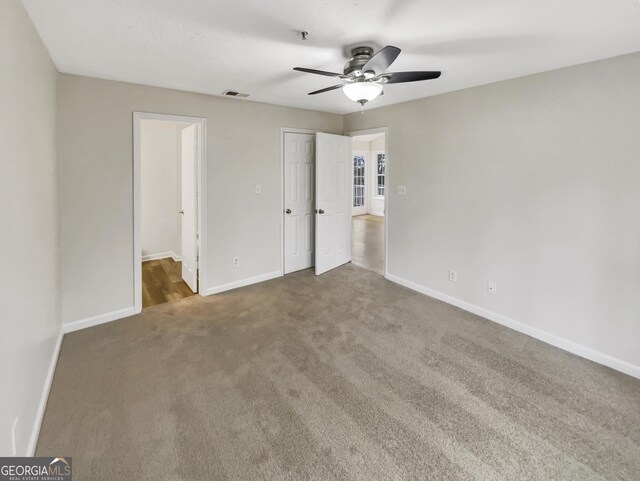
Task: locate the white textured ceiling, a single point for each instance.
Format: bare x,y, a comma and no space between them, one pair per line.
251,45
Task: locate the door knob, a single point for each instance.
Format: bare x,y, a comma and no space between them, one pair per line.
288,211
321,211
182,212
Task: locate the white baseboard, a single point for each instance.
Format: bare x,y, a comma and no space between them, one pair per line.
161,255
557,341
241,283
99,319
46,388
379,214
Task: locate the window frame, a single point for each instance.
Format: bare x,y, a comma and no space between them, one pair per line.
377,176
361,175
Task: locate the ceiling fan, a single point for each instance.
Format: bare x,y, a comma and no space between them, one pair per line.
364,74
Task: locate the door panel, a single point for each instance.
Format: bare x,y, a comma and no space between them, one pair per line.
189,207
299,159
333,205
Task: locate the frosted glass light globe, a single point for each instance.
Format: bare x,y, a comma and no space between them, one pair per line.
362,92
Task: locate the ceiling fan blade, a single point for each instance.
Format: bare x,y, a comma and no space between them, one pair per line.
401,77
328,89
319,72
382,60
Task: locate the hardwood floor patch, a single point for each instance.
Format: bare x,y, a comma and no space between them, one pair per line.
162,282
367,249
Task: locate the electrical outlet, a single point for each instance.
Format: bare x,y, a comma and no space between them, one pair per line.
492,287
453,275
402,190
236,262
257,188
13,436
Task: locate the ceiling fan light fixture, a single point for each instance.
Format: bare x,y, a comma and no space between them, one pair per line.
362,92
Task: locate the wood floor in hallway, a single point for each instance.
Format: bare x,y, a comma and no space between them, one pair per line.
367,242
162,282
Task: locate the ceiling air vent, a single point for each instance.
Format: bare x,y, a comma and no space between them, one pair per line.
234,93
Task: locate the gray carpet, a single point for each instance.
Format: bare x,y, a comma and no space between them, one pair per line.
343,376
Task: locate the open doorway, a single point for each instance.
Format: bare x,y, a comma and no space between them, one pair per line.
369,154
316,208
334,200
168,160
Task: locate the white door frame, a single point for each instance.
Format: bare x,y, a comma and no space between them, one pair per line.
385,131
284,130
138,117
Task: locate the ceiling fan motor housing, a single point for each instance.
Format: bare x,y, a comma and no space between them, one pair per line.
365,73
360,56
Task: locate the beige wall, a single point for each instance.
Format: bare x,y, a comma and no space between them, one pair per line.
95,171
532,183
29,284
